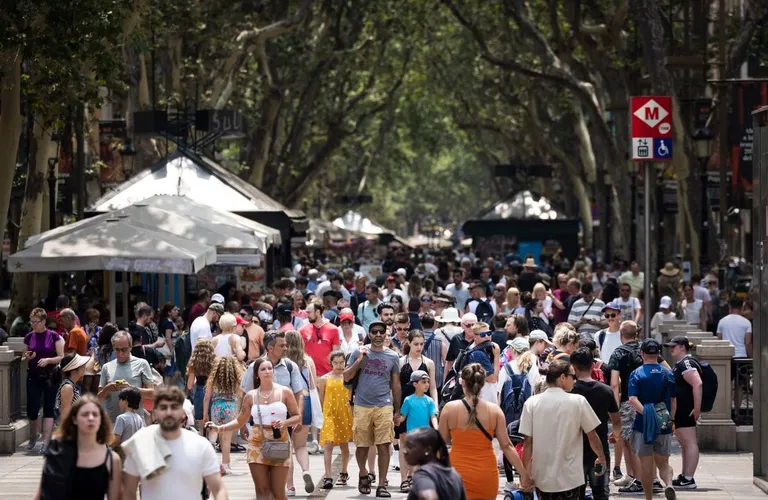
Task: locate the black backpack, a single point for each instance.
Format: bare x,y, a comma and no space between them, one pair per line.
484,311
510,401
452,390
708,387
59,468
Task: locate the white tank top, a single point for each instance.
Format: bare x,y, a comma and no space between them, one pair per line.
269,412
222,346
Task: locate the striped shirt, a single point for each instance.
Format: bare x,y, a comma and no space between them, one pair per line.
583,309
434,351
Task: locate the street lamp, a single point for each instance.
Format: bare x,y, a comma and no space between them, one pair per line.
703,140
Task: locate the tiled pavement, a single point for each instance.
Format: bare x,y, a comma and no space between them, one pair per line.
720,476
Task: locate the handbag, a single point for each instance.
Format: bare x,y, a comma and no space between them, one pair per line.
274,451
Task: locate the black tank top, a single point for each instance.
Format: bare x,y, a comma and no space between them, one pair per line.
92,483
405,377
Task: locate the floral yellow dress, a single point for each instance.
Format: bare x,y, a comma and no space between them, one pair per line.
337,414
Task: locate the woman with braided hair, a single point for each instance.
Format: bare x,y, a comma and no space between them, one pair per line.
471,424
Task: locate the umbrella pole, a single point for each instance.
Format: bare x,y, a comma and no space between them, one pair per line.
112,299
126,315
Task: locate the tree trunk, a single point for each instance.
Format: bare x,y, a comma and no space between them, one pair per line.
262,141
10,125
41,149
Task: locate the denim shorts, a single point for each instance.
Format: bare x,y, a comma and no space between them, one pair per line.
306,417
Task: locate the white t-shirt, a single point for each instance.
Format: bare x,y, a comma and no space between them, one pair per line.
200,329
461,295
692,311
192,458
629,308
659,318
611,341
555,420
734,328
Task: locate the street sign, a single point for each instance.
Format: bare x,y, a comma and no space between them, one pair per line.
651,128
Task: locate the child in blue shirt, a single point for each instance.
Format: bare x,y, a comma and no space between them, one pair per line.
418,409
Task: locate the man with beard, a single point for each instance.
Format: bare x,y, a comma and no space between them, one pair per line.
191,458
376,404
387,314
321,338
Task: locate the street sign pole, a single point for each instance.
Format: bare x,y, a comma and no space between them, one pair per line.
647,243
651,132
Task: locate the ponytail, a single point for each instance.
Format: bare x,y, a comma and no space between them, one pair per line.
473,376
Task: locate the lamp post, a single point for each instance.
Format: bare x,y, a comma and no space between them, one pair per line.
702,141
52,162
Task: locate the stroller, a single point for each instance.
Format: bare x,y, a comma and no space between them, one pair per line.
517,441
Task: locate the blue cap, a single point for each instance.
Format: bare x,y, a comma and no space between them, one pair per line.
613,305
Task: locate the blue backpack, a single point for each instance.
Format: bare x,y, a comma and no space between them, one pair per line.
513,394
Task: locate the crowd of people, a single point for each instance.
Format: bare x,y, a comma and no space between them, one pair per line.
429,369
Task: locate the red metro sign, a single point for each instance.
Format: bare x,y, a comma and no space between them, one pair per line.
651,128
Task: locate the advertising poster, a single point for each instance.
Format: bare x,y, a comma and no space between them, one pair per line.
112,134
251,280
746,97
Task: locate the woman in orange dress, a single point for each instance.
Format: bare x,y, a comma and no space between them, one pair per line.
471,424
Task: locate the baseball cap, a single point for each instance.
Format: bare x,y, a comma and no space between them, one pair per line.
612,305
217,297
216,307
678,340
665,302
240,321
346,317
419,375
401,271
391,277
519,344
284,310
539,335
650,346
377,323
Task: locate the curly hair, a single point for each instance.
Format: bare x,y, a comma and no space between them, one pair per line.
202,359
294,351
525,361
226,375
473,376
564,335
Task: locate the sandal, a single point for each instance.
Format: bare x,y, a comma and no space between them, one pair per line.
364,485
327,483
343,478
372,477
381,492
405,486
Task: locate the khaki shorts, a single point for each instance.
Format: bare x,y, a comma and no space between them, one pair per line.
373,426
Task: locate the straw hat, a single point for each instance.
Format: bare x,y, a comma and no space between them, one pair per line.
530,262
670,270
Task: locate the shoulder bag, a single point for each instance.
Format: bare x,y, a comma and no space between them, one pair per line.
274,451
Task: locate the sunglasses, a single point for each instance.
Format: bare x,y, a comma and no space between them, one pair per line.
467,325
401,329
426,300
483,334
378,332
610,315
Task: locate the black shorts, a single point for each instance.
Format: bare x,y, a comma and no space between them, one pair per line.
400,429
683,417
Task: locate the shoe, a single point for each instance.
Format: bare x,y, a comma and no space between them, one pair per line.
309,485
510,486
617,473
313,447
669,493
624,481
685,484
396,468
225,469
327,483
635,488
290,492
32,442
657,487
43,449
676,481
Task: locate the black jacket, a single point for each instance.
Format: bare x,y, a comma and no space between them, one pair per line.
58,471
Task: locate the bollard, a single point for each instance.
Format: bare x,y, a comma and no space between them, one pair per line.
716,430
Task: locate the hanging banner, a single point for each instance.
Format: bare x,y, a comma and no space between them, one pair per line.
669,196
112,134
746,97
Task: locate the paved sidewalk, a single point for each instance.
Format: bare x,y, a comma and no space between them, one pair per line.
720,476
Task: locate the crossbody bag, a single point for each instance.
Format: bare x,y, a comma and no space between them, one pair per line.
274,451
477,421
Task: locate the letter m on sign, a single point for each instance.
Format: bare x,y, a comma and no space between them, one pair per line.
651,114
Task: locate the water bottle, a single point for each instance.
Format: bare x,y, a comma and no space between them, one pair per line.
275,430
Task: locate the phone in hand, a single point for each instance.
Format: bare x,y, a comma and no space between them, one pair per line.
599,469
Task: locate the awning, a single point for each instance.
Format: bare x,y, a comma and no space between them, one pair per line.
114,244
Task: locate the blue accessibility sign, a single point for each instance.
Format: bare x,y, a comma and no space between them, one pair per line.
662,149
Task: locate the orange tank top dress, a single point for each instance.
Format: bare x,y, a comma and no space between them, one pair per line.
473,458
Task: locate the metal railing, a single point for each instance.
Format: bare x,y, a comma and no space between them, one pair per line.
743,396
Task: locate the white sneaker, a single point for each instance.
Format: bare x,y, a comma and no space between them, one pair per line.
290,492
624,481
225,470
510,486
313,448
309,485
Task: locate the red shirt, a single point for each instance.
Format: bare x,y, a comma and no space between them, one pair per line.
319,343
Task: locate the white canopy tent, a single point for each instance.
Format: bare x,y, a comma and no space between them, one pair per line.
239,241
